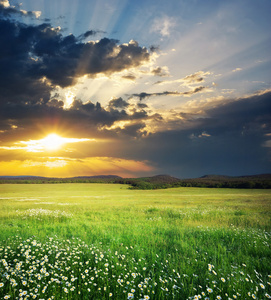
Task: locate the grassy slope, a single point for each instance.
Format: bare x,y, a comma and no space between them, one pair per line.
218,226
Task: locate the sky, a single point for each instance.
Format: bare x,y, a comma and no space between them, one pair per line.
135,88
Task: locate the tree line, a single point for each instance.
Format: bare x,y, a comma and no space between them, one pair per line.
156,182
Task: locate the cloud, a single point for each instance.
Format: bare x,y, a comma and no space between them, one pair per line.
118,103
142,105
89,33
8,10
237,70
197,77
163,25
144,95
129,77
160,71
202,135
231,138
83,119
37,59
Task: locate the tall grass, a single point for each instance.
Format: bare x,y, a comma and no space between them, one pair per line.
182,243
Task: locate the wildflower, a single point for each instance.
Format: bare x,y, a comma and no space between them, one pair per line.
130,296
209,290
146,297
267,296
110,294
1,284
262,286
218,297
253,296
223,279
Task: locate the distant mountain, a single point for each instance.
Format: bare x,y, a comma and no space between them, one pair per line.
225,177
259,176
259,181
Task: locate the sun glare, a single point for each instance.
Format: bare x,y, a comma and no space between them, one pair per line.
52,142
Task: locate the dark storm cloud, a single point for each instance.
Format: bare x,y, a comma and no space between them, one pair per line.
89,33
230,139
142,105
36,59
118,103
159,72
154,48
129,77
67,59
144,95
81,118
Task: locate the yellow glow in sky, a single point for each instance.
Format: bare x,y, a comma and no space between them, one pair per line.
68,167
51,142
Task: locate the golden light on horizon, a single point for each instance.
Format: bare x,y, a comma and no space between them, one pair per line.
59,166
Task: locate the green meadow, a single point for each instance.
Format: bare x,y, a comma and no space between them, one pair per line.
105,241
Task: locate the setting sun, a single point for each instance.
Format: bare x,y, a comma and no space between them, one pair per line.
52,142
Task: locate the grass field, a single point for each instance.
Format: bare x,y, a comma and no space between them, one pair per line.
102,241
